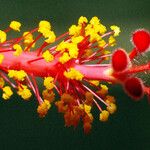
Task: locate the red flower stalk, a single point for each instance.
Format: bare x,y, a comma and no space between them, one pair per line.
73,67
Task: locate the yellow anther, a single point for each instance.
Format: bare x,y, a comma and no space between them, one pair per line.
48,95
95,82
73,50
87,108
94,36
74,30
61,107
67,98
48,56
110,99
82,20
2,82
73,74
48,83
101,43
24,92
106,52
64,58
89,98
7,92
100,29
103,90
112,41
77,39
18,49
94,21
28,39
104,115
112,108
1,58
116,30
18,75
45,24
45,29
51,37
62,46
3,36
43,108
15,25
45,32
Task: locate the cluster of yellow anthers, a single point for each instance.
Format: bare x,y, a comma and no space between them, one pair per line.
45,30
73,74
84,42
48,56
17,75
77,112
94,30
24,92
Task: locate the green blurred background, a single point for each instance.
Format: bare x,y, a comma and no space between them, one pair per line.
129,128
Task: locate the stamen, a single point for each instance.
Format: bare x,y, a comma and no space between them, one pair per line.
95,95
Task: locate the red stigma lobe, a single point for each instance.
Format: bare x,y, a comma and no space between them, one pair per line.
120,60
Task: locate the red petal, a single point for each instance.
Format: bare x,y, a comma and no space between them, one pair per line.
120,60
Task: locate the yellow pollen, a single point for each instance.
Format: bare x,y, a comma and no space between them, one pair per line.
94,21
67,98
74,30
48,83
104,115
45,24
18,49
48,56
101,43
87,108
89,98
95,82
62,46
82,20
73,50
24,92
110,99
15,25
7,92
18,75
77,39
64,58
94,36
73,74
112,108
51,37
43,108
112,41
103,90
116,30
3,36
101,28
105,52
48,95
28,39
